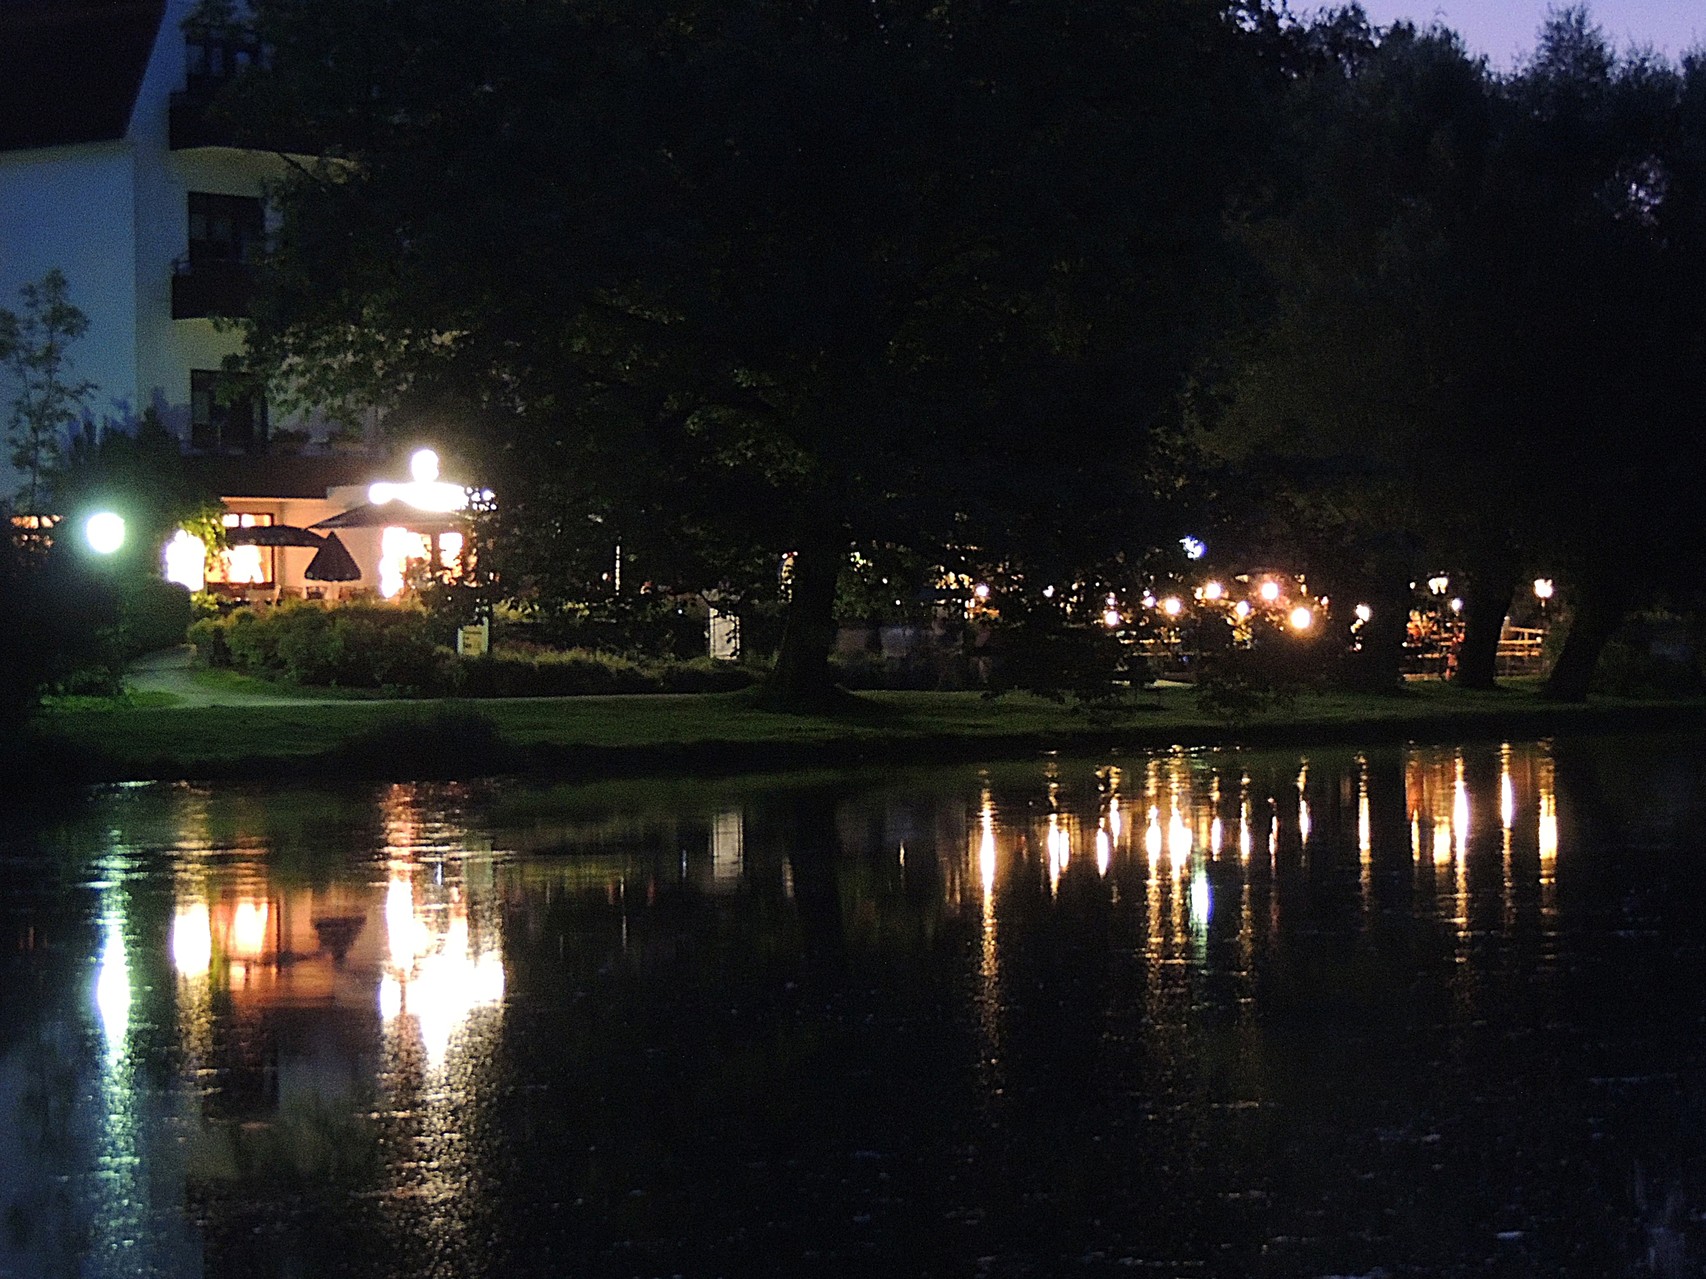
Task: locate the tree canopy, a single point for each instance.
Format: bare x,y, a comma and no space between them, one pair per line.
766,277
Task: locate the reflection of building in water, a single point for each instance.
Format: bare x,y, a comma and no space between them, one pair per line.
728,847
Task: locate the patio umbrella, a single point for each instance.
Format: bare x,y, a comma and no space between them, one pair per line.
274,535
393,515
333,563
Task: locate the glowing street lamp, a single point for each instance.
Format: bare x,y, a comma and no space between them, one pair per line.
1301,618
104,532
1543,588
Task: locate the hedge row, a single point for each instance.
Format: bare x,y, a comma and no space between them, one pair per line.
381,646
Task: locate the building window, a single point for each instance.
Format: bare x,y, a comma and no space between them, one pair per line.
243,565
225,228
226,414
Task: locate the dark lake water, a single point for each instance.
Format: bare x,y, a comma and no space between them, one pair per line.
1434,1011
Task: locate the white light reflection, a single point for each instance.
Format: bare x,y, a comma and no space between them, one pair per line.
112,989
1104,853
1202,900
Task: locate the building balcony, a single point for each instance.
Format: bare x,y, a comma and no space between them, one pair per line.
212,287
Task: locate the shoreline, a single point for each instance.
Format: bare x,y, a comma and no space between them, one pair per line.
714,735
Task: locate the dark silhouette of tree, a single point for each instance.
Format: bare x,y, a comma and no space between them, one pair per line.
763,278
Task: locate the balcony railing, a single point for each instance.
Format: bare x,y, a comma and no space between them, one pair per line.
209,287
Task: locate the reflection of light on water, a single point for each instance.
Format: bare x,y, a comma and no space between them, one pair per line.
1460,809
1507,794
986,853
1202,900
1244,831
1104,852
249,930
1303,826
1114,819
112,989
1178,840
1059,851
1365,826
439,976
1152,836
192,939
1442,844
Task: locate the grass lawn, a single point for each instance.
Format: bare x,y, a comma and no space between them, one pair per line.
146,737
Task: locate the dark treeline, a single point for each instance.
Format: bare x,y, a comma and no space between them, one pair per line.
1019,291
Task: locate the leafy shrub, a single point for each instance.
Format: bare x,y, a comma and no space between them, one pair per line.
153,614
582,672
351,646
1243,682
1042,654
1630,668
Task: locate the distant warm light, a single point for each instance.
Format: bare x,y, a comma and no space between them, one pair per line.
1194,548
398,547
192,940
1543,588
1241,609
1148,600
1456,606
1172,606
1269,591
243,566
1301,618
1364,612
104,532
1048,592
1439,585
1152,835
981,591
1213,591
1111,618
1104,853
184,561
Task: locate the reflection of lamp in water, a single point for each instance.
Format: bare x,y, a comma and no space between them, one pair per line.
1104,851
1178,839
249,930
192,940
112,988
1152,835
1202,899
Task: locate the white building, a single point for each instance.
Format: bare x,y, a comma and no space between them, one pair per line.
113,173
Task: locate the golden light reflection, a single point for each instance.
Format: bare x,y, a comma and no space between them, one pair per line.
986,852
192,939
1104,853
248,936
1178,840
1244,831
441,976
1115,822
1152,838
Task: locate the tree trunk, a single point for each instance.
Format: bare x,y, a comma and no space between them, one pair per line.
1485,604
1598,613
1377,666
801,679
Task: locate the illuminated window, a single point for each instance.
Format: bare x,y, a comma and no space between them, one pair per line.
243,565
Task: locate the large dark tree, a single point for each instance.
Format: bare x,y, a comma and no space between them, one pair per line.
763,277
1482,351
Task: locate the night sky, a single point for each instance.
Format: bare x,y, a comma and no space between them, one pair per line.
1504,29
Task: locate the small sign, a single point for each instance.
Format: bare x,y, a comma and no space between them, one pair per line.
475,640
